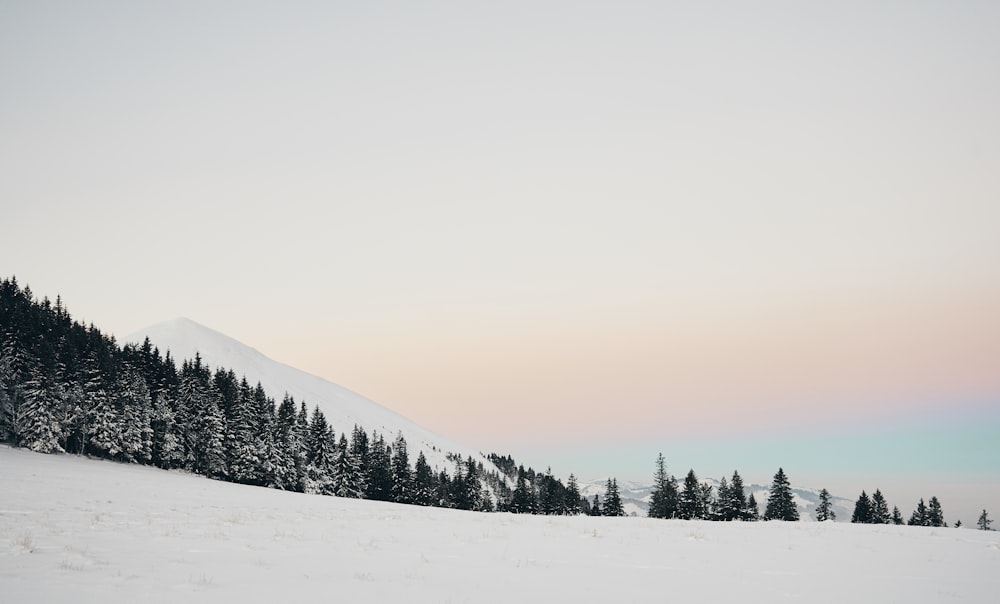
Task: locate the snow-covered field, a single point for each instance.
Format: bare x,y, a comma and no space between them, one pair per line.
80,530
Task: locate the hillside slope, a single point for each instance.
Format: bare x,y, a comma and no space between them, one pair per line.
343,408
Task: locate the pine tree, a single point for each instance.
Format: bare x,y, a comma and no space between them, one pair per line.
321,450
402,476
753,511
423,482
523,500
780,502
39,428
572,497
880,509
612,499
984,521
663,500
897,517
347,479
862,510
935,516
733,503
824,511
919,516
595,507
379,470
689,504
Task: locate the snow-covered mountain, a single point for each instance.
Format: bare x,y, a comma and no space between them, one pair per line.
635,497
343,408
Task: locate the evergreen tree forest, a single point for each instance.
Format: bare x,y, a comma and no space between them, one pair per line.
66,387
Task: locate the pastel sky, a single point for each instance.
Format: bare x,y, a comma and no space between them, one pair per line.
745,234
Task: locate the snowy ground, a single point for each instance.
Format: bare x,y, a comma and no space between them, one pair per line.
82,530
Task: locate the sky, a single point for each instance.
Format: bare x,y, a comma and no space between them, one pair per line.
578,232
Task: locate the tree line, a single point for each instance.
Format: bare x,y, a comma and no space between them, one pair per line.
697,500
68,387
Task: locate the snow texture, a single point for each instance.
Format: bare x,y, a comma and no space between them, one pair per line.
79,530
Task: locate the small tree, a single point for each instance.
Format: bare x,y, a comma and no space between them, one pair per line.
663,501
824,511
897,517
984,522
780,502
612,500
862,510
880,509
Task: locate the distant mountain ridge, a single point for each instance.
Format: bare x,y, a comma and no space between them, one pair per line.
343,408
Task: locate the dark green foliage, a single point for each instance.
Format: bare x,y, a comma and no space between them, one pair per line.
780,502
880,509
691,504
862,510
824,511
984,521
523,501
663,500
897,517
402,475
919,516
423,482
595,507
753,511
612,499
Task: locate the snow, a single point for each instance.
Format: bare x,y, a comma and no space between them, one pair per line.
343,408
82,530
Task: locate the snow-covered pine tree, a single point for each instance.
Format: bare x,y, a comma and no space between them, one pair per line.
402,475
320,455
984,521
732,500
523,499
824,511
136,412
39,428
663,500
612,499
423,481
347,478
781,502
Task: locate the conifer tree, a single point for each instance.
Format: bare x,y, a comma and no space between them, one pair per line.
984,521
402,476
880,509
612,499
423,482
595,507
39,429
753,511
935,516
824,511
663,500
571,503
379,470
689,504
347,477
737,497
919,516
320,455
897,517
523,500
780,502
729,506
862,510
